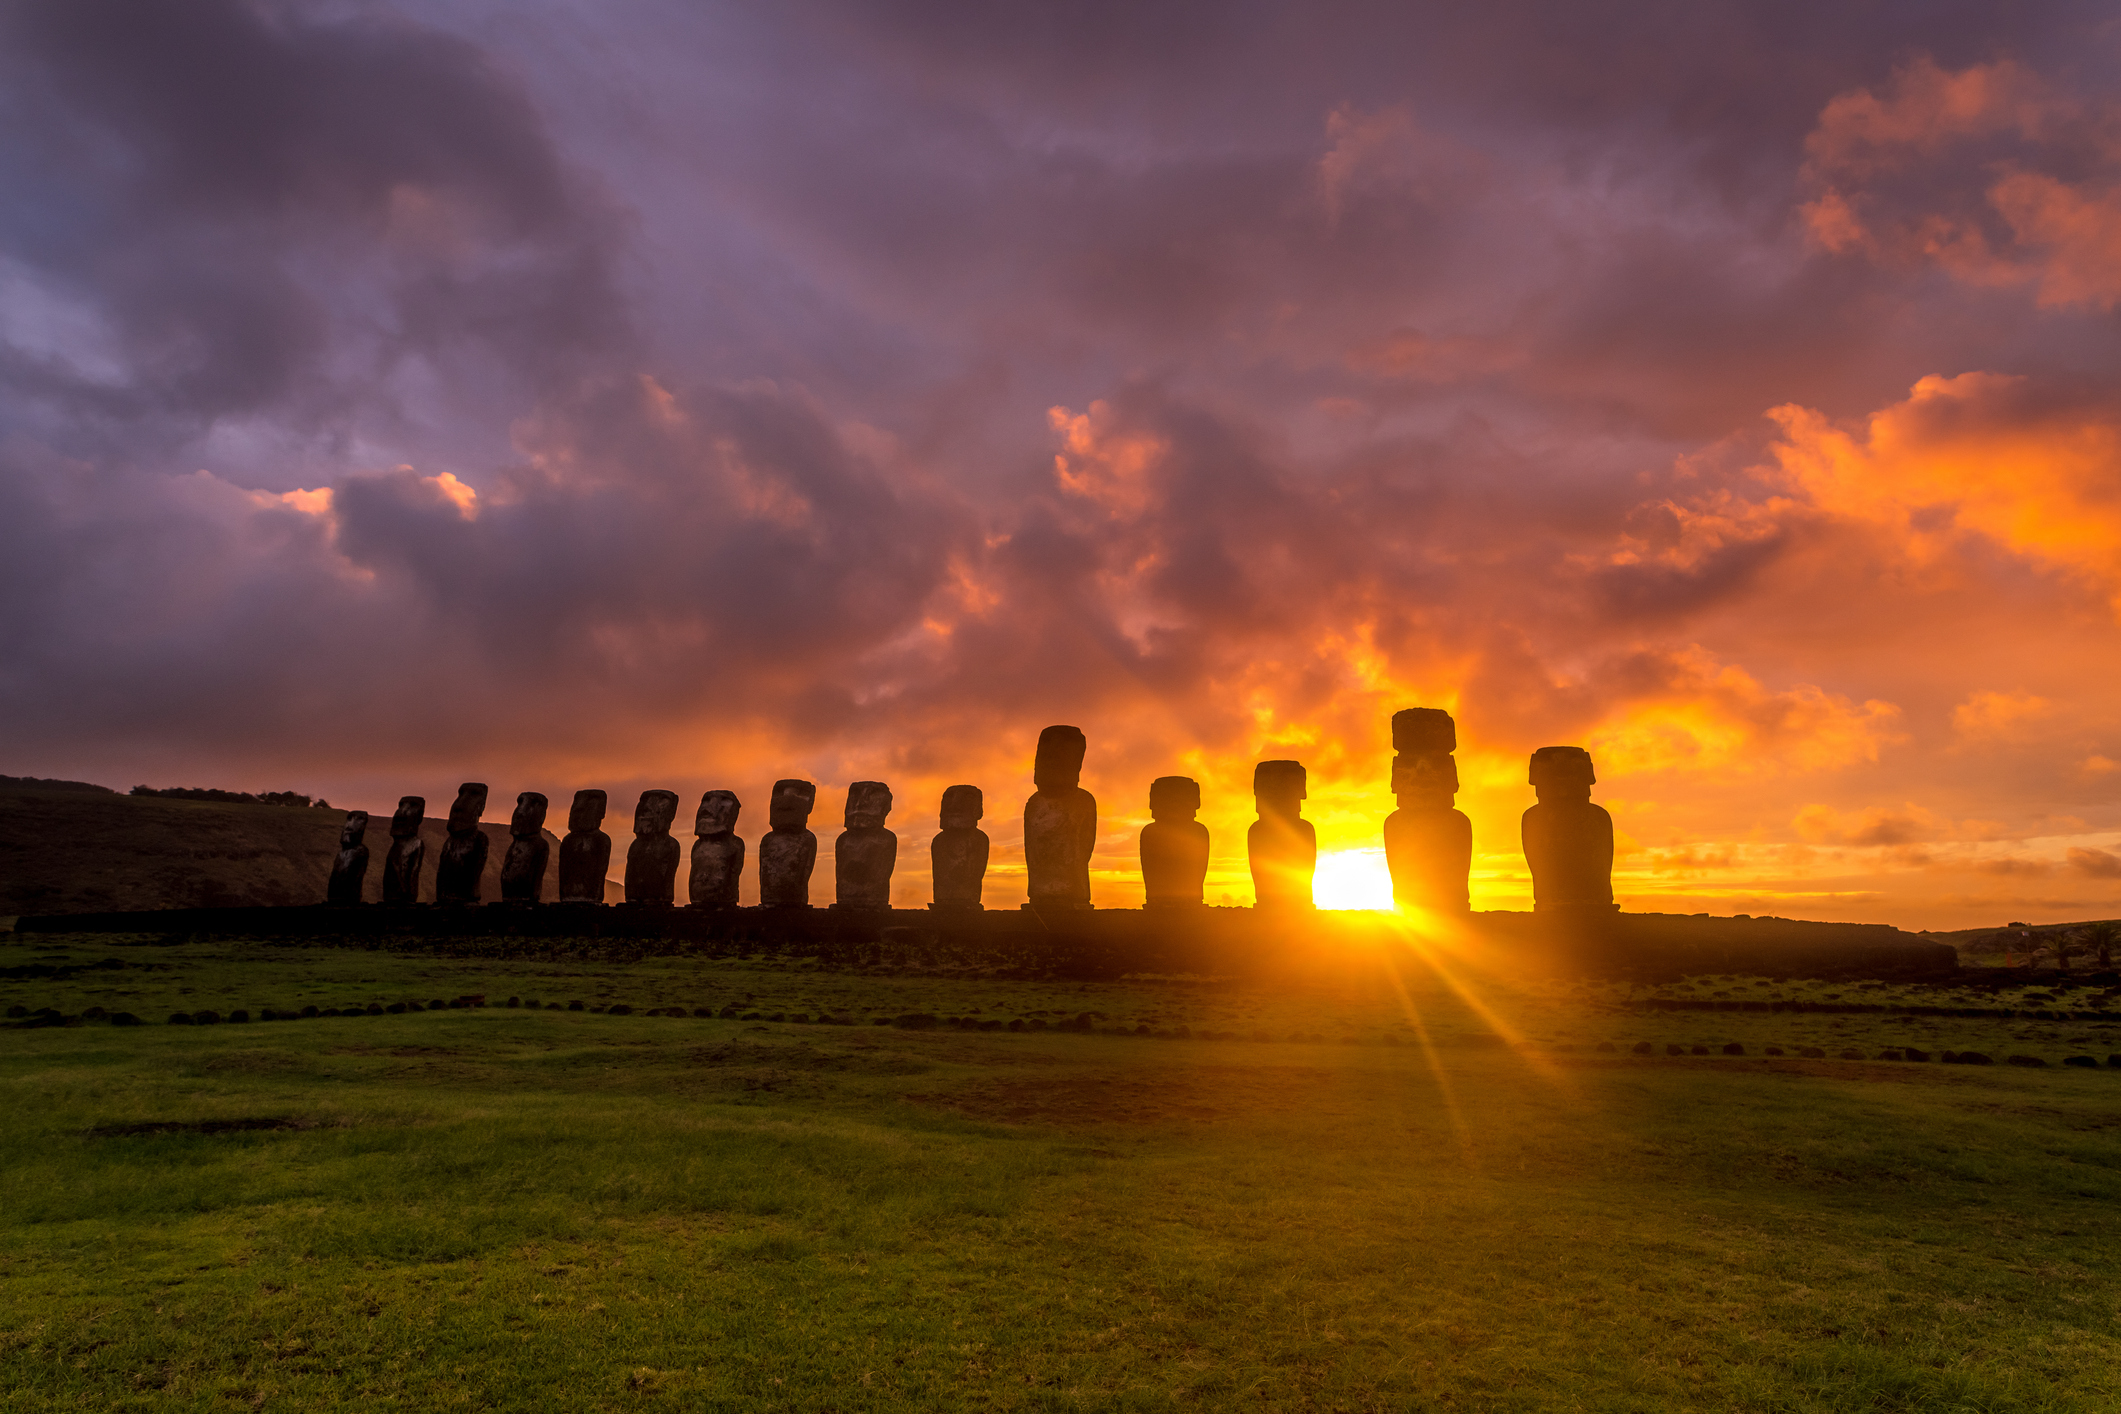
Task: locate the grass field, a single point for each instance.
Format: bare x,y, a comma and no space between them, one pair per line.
1426,1189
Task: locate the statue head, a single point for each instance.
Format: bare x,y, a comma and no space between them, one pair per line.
1421,730
868,802
962,807
529,819
1174,797
1562,773
351,832
465,810
587,812
656,811
1426,779
718,811
405,823
792,801
1278,788
1059,764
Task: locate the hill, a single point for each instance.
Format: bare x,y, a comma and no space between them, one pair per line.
76,851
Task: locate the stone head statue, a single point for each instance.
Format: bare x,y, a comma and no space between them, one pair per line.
868,802
1279,787
1430,778
529,818
1424,730
405,823
356,826
1059,765
587,812
1174,797
470,804
655,813
1564,772
792,802
962,807
718,812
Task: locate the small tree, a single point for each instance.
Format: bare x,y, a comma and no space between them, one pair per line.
2063,944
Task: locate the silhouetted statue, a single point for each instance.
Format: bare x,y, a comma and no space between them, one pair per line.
585,855
789,851
1568,841
1174,845
864,854
351,867
652,858
462,866
1282,844
523,867
401,867
717,851
957,857
1428,843
1060,823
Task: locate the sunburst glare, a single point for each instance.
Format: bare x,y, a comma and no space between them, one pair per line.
1352,878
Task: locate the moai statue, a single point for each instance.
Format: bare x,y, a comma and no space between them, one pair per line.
789,851
1282,844
957,857
717,851
1174,845
863,856
351,867
401,867
1428,842
462,866
523,867
1060,823
585,855
652,858
1567,840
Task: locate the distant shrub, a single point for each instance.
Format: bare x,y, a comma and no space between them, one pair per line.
231,797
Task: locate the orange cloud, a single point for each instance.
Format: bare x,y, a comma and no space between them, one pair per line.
1910,824
1980,453
1707,716
1998,716
1102,463
2098,863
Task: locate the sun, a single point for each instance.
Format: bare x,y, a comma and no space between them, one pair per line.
1352,878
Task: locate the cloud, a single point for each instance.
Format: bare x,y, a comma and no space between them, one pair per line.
2096,863
2031,468
1878,825
1998,716
1991,172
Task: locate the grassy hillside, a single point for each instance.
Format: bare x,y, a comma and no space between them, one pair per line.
67,851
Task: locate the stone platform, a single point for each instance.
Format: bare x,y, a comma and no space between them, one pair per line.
1089,943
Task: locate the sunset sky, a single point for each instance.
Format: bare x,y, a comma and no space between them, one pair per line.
684,395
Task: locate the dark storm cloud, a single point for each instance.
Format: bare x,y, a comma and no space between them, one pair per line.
242,192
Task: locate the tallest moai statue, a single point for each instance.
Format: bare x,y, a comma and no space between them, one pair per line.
1060,823
1428,842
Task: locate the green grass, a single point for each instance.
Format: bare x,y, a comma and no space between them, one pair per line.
503,1209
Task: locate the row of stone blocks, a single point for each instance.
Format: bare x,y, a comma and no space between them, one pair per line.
1568,841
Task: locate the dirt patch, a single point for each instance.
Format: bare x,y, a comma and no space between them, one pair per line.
199,1126
1200,1095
